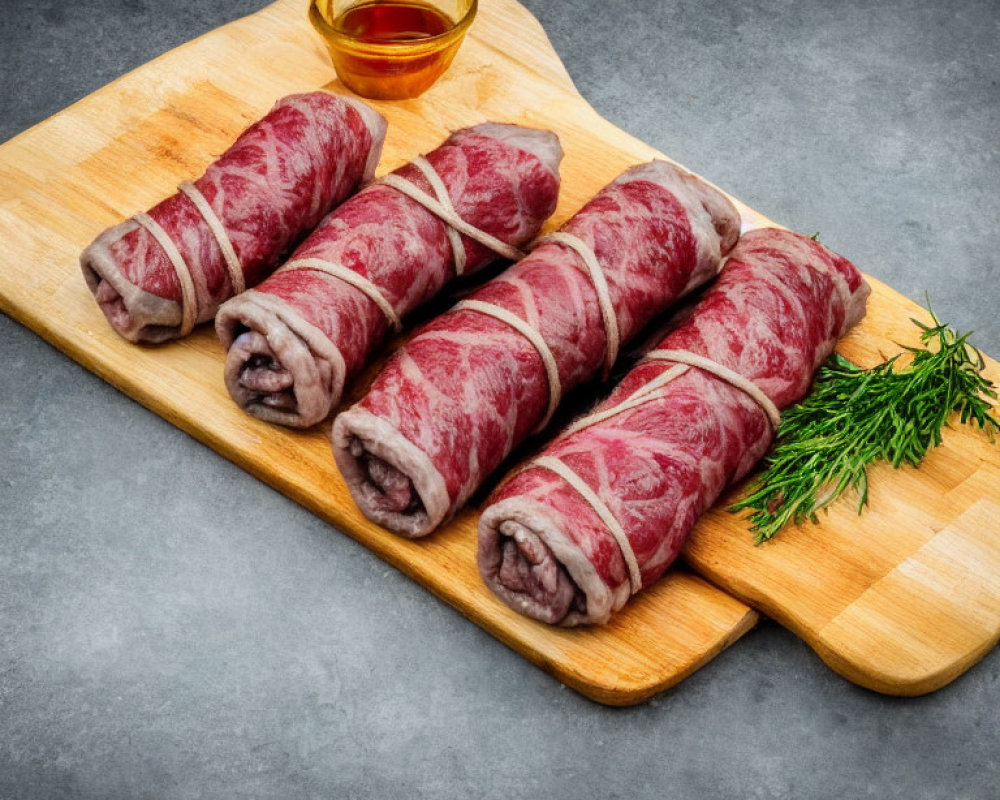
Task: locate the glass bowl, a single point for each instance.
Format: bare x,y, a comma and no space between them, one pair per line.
391,49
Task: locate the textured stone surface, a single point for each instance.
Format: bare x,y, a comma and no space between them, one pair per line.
171,628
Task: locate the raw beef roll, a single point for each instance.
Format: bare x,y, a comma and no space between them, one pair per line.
158,274
606,507
450,405
296,338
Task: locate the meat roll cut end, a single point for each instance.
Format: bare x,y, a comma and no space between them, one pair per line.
392,480
308,391
528,562
136,314
609,505
157,274
278,367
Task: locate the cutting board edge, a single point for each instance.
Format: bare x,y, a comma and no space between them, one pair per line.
78,354
617,692
598,688
621,695
900,684
876,678
866,673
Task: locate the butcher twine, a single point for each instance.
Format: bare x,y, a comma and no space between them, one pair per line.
608,315
588,494
221,236
684,360
358,281
189,293
533,336
442,208
189,296
610,319
731,377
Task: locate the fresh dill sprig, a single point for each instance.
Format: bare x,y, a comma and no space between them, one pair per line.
854,417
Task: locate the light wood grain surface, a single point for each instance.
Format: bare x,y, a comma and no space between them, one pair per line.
902,599
905,597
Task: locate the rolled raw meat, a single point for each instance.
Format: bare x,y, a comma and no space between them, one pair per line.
295,339
452,403
605,508
158,274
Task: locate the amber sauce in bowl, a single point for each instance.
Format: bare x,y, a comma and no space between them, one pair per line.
391,49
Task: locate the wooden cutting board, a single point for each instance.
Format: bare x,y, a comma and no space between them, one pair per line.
902,599
906,597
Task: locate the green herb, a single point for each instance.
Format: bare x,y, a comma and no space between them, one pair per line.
854,417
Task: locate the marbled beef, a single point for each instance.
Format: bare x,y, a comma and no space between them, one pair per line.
158,274
295,339
661,449
452,403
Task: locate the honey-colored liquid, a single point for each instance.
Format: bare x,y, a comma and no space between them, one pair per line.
392,22
392,50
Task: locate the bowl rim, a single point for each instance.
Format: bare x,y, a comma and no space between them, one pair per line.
327,31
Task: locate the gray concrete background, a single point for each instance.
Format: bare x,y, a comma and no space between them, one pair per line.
171,628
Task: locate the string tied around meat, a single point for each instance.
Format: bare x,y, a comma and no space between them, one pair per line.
730,376
560,468
533,336
609,318
683,361
442,207
189,288
350,277
233,265
189,295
